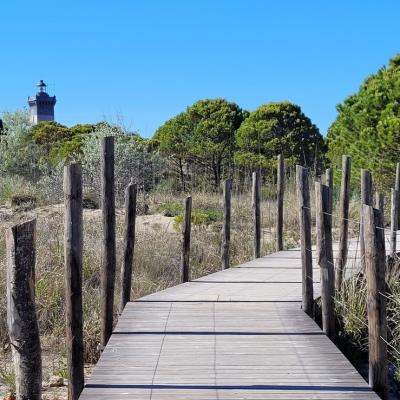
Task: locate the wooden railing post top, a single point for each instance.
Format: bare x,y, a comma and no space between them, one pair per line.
107,146
301,171
321,186
228,182
397,179
27,225
73,166
132,183
25,230
366,208
72,175
108,139
131,186
366,177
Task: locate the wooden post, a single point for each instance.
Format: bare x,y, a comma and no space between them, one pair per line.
73,244
226,227
325,257
366,198
129,244
108,250
21,312
256,190
280,186
187,224
303,195
380,203
329,178
397,187
394,218
344,221
375,258
329,183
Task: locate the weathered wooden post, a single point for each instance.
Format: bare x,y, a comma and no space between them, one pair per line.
73,244
375,258
129,244
256,190
325,257
280,186
394,218
366,198
186,230
226,227
397,187
108,248
303,195
329,183
380,203
21,311
344,221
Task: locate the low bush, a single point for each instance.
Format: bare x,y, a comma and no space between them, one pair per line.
200,217
16,191
170,209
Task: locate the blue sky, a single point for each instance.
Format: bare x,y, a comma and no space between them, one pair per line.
145,61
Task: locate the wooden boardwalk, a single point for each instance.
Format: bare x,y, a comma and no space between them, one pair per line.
235,334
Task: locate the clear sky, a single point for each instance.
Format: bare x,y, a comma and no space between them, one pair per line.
145,61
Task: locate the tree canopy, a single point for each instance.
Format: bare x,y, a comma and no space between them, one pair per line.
59,141
174,139
278,128
368,126
214,124
203,135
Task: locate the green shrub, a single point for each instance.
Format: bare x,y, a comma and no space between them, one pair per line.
200,217
170,209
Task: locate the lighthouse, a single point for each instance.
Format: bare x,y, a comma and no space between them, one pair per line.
41,105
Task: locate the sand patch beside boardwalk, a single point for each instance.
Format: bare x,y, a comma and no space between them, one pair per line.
8,216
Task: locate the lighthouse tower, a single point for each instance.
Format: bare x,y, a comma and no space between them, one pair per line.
41,105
